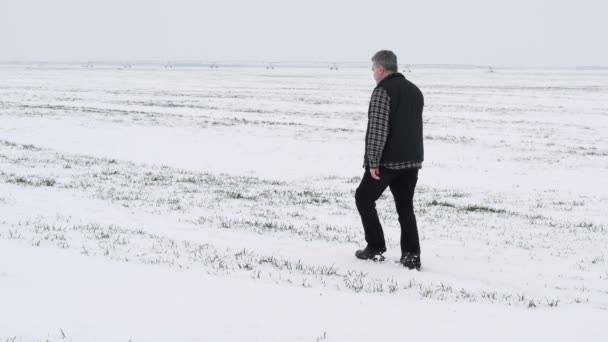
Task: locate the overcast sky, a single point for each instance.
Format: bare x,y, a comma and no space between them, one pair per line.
508,33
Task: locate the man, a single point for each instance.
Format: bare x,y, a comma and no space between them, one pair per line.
393,155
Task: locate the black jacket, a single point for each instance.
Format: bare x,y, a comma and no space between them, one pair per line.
404,141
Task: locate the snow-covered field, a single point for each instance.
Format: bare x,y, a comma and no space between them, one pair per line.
218,205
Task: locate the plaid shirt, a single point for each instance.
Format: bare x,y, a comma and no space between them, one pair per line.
377,127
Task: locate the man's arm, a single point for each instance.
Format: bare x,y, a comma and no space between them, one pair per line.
379,111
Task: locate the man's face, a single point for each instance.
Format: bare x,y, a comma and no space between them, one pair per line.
378,72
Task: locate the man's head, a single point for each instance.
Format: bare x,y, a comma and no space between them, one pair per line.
384,63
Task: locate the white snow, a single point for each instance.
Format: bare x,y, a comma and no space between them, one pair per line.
195,205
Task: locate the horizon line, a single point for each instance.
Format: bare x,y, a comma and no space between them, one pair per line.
277,63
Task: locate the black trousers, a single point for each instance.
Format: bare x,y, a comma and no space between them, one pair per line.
402,184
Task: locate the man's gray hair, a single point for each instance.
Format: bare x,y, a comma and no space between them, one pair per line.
387,59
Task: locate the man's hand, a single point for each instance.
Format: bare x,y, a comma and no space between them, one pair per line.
375,173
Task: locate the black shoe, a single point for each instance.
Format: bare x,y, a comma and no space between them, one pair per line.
371,253
410,260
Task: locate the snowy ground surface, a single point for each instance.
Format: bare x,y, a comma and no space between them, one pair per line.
218,205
